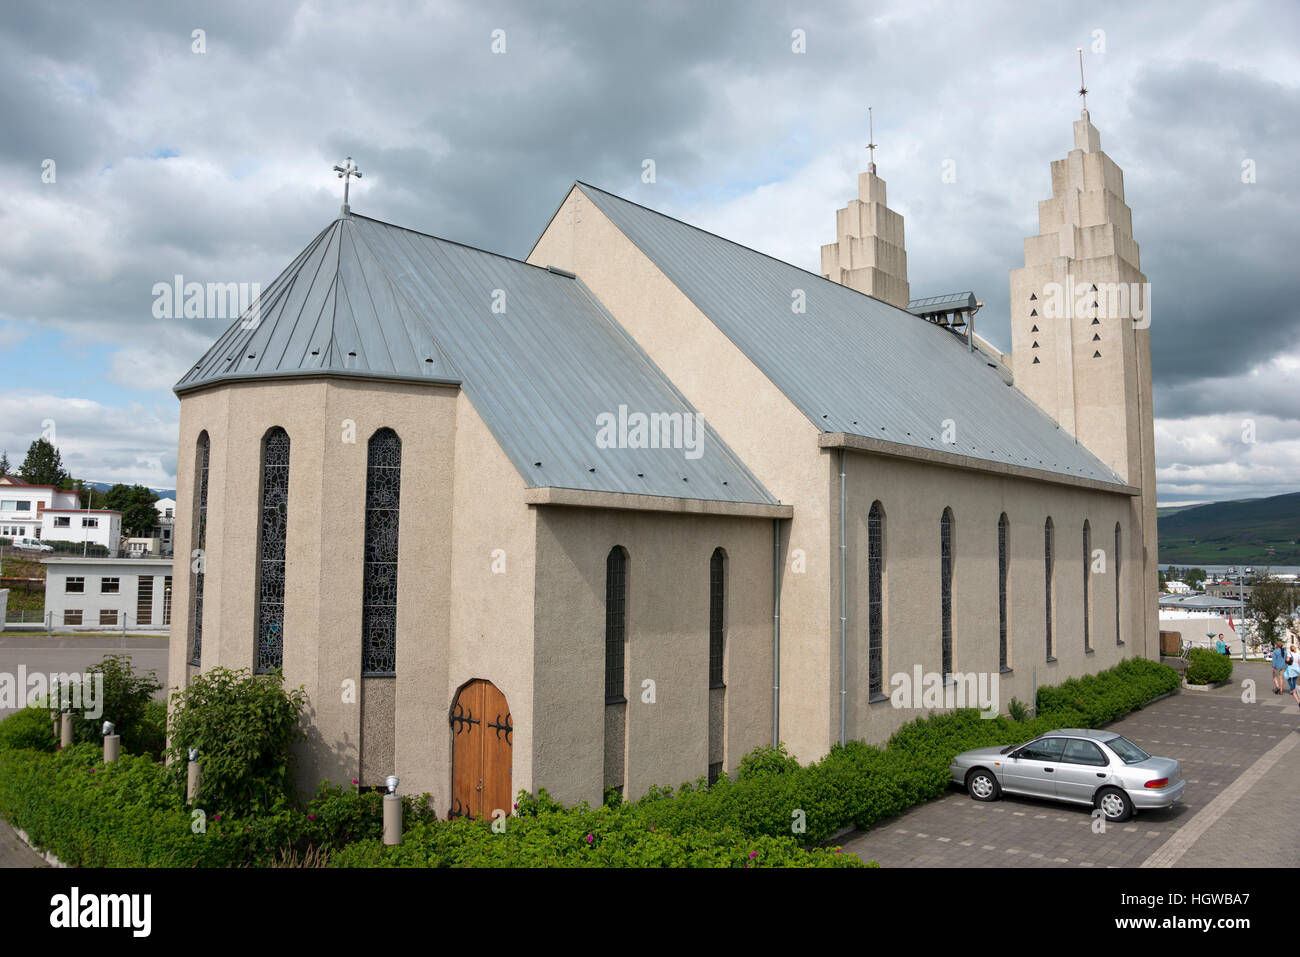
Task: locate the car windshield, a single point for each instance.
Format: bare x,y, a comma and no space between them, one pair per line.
1128,752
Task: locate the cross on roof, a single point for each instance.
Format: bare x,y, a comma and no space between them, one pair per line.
346,172
871,135
1083,87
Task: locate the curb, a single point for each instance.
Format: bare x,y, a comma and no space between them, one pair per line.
1213,687
46,855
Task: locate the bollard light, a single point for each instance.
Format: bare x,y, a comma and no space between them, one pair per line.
392,813
194,754
108,728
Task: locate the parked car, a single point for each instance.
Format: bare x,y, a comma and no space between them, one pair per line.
32,545
1078,766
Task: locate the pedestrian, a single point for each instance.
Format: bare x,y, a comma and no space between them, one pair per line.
1293,672
1279,665
1221,646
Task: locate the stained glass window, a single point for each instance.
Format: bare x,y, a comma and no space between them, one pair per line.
1087,568
875,597
202,453
717,605
1047,570
945,582
379,575
1003,567
615,624
271,550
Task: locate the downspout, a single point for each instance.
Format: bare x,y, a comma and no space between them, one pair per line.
776,633
844,593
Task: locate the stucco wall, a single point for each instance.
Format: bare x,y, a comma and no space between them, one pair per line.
914,496
667,643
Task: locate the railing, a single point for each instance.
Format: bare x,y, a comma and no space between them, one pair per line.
44,620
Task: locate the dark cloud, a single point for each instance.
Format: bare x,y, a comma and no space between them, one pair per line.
217,166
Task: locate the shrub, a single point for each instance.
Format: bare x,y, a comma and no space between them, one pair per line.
1018,710
583,837
242,725
763,761
28,728
124,701
1206,667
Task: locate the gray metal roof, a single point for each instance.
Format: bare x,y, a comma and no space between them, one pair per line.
852,363
372,299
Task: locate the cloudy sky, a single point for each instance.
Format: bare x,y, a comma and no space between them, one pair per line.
135,150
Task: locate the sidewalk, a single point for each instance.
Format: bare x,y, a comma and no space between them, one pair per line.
14,853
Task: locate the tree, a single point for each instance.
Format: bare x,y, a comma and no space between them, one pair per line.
135,502
1271,606
4,464
43,465
1195,577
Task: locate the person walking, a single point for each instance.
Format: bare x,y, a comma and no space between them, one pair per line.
1293,672
1279,665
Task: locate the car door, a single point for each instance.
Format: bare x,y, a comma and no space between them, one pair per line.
1032,769
1082,770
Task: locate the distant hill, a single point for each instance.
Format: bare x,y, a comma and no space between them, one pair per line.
1259,531
105,486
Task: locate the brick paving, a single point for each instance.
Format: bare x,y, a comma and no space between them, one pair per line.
1215,735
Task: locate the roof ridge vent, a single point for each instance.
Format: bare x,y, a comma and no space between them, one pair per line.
562,272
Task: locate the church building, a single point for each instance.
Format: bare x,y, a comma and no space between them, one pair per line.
613,516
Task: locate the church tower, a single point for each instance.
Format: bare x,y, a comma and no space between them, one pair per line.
868,253
1080,318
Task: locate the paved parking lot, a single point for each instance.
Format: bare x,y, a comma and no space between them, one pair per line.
1242,766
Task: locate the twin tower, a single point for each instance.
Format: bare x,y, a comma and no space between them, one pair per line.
1080,307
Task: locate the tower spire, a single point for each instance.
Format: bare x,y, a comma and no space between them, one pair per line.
1083,87
871,146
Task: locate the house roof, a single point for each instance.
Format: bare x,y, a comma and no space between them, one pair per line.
853,364
370,299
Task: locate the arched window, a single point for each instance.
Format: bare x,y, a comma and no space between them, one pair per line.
1002,591
274,510
1087,579
945,587
717,610
876,597
1119,635
202,454
615,624
379,570
1047,574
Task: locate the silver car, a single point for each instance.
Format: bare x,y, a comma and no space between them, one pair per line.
1080,766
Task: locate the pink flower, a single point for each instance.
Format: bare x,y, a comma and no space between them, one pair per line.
590,838
311,817
516,805
753,854
354,780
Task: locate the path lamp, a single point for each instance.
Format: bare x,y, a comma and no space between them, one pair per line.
192,777
392,813
112,744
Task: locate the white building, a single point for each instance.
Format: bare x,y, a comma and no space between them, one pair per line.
92,526
163,531
100,592
22,506
1178,588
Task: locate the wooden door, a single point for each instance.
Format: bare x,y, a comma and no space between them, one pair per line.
482,738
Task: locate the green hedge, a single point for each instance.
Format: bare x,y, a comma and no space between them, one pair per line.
132,814
129,814
1206,667
584,837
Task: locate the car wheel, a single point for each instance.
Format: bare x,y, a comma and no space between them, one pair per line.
1115,804
983,786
